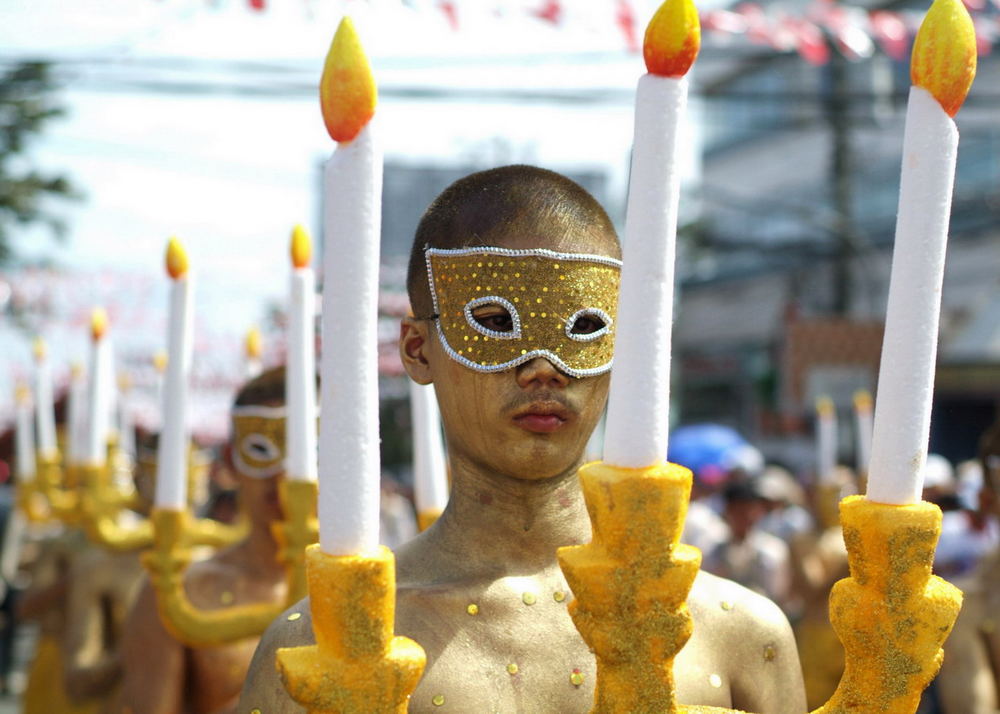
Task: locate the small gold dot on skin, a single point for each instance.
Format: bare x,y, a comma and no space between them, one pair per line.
226,598
726,605
255,711
472,609
511,668
769,653
437,700
294,616
715,680
558,596
528,598
576,678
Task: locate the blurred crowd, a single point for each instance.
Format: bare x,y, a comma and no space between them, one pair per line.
777,533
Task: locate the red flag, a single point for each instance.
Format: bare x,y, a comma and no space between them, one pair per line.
625,17
550,11
450,12
257,5
891,33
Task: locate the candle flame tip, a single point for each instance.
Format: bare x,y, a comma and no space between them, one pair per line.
673,39
177,259
253,343
347,89
39,349
160,361
98,323
301,247
944,54
824,406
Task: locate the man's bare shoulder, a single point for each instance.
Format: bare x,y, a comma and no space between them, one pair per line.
755,641
263,689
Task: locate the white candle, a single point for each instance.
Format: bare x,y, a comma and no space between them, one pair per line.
160,367
349,439
863,425
944,60
45,408
639,401
172,457
76,407
430,473
99,394
24,438
826,440
300,372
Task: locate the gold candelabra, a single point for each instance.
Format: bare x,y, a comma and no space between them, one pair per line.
631,582
170,556
357,665
56,483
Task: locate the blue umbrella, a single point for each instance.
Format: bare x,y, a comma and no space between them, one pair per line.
709,450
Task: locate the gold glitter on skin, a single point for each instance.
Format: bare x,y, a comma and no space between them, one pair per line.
294,616
715,680
226,598
255,711
511,668
528,598
558,596
472,609
576,678
438,700
769,653
726,605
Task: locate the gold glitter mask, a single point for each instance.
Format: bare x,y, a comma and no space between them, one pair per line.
259,440
496,308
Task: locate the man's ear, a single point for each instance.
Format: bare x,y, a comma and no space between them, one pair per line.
414,344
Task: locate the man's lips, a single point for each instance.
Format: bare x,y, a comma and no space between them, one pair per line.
542,417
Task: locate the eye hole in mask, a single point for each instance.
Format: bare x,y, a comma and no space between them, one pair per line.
494,316
588,324
260,449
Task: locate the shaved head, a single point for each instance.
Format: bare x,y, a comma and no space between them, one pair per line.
509,207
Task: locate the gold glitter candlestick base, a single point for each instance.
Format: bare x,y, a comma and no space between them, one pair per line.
62,498
828,504
100,507
298,530
166,563
426,519
356,666
892,615
631,583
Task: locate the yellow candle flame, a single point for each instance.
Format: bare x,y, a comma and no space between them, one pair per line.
824,407
98,323
944,54
673,38
22,395
177,260
75,371
39,349
253,344
863,400
301,247
160,361
347,92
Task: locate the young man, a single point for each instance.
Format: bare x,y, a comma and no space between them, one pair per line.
514,338
162,675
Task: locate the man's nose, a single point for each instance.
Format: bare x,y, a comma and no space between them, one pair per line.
541,373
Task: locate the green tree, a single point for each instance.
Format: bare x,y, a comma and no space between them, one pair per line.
26,105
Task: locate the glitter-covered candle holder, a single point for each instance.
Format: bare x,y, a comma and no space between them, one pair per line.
892,614
298,530
631,583
100,507
357,665
174,534
57,483
426,519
